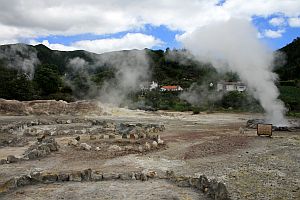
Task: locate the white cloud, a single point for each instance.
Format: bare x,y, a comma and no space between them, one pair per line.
32,18
294,21
277,21
273,34
129,41
53,46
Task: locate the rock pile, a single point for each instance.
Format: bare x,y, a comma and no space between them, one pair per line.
41,148
138,130
214,190
48,107
252,123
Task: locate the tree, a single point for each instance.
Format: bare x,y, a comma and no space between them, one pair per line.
47,79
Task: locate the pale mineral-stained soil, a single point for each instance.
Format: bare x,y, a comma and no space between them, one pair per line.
106,190
251,167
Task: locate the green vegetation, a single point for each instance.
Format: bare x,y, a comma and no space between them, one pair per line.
53,78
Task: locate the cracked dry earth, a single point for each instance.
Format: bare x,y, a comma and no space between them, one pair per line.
251,167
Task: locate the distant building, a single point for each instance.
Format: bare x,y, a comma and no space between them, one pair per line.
171,88
149,86
231,86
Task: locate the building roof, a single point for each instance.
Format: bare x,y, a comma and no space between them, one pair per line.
170,87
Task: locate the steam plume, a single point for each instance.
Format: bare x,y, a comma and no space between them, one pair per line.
233,45
20,57
132,68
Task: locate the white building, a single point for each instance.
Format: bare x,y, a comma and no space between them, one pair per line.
149,86
171,88
231,86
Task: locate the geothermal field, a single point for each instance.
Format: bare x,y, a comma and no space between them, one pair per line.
91,151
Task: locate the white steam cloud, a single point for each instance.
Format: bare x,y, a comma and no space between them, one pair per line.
234,46
20,57
132,69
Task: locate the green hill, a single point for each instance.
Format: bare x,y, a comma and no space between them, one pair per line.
291,69
36,72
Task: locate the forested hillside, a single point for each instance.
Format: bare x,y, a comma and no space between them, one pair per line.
37,72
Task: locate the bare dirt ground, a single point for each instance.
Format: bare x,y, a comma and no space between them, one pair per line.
252,167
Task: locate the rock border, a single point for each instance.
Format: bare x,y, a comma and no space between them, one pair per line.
211,188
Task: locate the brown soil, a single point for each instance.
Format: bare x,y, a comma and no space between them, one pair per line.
221,145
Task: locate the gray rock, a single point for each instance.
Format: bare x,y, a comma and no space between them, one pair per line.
3,161
63,176
85,146
12,159
96,176
86,175
203,183
52,146
212,189
32,154
193,182
23,180
75,176
221,192
138,175
92,137
49,177
182,182
36,177
9,185
110,176
126,176
144,177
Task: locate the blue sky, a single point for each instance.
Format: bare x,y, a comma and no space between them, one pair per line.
101,26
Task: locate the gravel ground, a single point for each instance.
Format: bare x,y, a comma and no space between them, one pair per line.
106,190
252,167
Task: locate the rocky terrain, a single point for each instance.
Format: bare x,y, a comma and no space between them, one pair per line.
127,154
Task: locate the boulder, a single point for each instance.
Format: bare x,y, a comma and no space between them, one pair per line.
73,142
143,177
110,176
12,159
182,182
63,176
154,144
140,148
147,146
3,161
75,176
23,181
49,177
85,146
203,183
36,175
9,185
32,154
126,176
86,175
96,176
193,182
221,192
77,138
92,137
151,174
97,149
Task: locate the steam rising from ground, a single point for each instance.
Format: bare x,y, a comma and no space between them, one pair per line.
131,68
234,46
20,57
